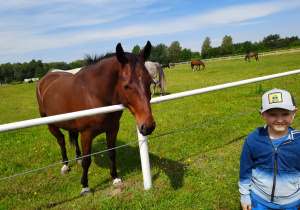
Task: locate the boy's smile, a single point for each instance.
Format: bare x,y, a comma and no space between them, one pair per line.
279,121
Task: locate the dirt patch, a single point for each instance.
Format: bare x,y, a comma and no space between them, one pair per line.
114,192
288,83
119,189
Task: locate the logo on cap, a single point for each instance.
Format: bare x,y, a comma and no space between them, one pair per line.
275,98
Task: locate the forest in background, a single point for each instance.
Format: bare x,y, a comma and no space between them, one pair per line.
161,53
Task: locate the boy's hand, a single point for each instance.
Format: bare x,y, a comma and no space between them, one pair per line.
246,207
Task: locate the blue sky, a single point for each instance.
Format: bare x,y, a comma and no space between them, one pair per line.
63,30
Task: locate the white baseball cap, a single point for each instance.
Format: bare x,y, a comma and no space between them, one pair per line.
277,98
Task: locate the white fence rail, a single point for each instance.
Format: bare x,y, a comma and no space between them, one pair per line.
243,56
143,139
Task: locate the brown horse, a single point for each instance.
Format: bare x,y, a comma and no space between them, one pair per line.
197,63
172,64
165,66
249,55
117,78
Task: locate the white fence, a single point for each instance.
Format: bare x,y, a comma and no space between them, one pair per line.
142,139
243,56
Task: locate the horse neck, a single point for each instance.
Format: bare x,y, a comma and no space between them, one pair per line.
102,78
106,69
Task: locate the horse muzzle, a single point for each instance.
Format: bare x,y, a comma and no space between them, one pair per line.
147,129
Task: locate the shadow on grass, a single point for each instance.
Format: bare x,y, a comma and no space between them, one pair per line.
128,161
53,205
230,142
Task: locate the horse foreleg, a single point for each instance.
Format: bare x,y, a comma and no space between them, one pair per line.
55,131
111,143
86,145
192,67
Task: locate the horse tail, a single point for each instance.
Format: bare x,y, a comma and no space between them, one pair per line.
73,137
162,78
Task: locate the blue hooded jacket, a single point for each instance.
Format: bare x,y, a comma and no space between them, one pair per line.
271,173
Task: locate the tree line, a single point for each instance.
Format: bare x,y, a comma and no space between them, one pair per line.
160,53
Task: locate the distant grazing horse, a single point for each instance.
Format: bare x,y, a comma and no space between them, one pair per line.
249,55
153,68
197,63
119,78
165,66
172,64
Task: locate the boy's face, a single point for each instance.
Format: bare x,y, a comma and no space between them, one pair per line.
278,120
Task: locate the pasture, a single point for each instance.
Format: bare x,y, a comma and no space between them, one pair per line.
192,169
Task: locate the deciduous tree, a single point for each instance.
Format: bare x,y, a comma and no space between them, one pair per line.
174,51
206,46
136,49
271,41
227,45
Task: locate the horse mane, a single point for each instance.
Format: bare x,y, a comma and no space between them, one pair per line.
92,60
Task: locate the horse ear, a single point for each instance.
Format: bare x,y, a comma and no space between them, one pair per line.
146,51
121,55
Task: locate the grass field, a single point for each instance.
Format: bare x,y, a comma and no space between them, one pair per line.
193,169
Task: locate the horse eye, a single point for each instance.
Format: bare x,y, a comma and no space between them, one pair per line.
126,87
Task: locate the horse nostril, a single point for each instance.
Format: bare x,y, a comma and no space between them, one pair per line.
147,130
143,130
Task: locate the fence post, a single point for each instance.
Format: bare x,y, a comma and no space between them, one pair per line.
144,153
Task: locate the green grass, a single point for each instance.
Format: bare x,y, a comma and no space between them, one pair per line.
193,169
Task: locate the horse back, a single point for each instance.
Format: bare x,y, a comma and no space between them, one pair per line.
61,92
52,90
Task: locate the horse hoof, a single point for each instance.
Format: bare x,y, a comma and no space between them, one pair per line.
85,191
118,183
64,170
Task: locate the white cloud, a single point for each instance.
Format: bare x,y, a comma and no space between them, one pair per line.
57,24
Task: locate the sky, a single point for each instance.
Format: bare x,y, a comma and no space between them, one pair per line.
65,30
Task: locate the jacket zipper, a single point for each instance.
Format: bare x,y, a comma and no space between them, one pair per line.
274,178
275,167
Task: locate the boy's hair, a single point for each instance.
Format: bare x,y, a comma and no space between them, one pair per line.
277,98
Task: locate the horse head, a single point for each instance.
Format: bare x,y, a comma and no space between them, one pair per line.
134,87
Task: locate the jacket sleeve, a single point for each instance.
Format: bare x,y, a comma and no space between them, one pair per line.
246,165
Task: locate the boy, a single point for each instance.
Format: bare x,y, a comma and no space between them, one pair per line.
270,159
